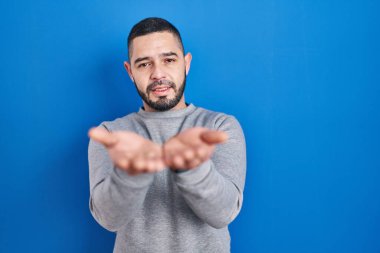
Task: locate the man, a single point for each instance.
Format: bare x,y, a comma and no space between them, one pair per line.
166,179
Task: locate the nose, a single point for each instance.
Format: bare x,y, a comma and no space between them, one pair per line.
157,73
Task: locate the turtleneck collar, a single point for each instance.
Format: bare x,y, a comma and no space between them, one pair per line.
167,114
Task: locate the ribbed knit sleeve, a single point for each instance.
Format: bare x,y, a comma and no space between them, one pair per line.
214,190
115,196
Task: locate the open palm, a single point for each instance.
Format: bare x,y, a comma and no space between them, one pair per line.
129,151
191,147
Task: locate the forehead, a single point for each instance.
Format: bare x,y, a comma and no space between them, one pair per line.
153,44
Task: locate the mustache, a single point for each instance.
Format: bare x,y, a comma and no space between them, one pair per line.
161,82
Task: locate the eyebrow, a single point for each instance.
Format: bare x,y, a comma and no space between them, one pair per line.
161,55
168,54
141,59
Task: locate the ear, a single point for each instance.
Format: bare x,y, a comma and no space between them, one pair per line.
188,58
128,68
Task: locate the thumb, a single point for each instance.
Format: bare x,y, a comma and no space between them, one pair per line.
103,136
214,137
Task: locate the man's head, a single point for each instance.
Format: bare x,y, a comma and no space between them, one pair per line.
157,64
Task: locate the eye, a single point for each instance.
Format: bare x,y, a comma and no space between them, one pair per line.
170,60
143,65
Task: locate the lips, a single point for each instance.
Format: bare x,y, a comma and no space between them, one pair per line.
161,90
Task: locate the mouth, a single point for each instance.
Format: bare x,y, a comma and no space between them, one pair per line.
161,90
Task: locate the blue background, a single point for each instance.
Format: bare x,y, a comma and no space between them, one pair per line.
301,76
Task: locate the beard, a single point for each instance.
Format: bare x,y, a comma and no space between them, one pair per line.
163,103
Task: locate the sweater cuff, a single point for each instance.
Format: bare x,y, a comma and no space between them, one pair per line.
193,176
137,181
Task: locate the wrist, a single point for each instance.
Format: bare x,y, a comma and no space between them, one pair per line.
179,170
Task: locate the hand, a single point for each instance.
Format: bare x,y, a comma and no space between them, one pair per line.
130,151
191,147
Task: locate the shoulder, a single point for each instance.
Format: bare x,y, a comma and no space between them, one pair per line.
125,123
218,120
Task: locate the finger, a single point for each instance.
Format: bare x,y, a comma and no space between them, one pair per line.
193,163
178,162
214,137
188,154
168,159
123,164
103,136
160,165
201,152
150,166
139,164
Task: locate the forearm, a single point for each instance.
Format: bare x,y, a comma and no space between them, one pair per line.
115,201
115,196
213,198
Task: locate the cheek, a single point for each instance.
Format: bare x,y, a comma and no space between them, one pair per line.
141,83
140,74
177,74
180,77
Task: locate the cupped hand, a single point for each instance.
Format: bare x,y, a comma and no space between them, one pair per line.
191,147
129,151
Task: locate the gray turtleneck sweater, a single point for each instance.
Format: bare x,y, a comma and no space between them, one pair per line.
168,211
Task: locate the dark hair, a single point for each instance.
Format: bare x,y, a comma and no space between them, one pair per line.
151,25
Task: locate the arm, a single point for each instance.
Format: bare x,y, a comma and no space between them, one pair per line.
214,189
115,195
